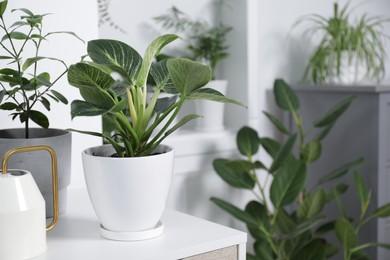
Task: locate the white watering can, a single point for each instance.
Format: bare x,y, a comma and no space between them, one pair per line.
22,209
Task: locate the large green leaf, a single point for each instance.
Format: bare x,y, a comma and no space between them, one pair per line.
39,118
312,205
341,171
188,76
212,95
284,96
283,153
151,52
235,179
159,72
247,141
92,83
82,108
287,183
345,233
116,55
315,249
235,212
334,113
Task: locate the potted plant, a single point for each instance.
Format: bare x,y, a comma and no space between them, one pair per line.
207,44
25,84
349,51
128,179
291,223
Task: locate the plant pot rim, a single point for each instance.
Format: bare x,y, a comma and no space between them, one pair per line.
165,149
35,132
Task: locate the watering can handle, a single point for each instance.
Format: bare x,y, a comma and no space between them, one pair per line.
53,170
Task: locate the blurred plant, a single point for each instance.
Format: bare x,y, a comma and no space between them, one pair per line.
206,43
21,89
360,42
292,224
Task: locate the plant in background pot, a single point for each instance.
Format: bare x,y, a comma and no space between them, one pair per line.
292,223
206,44
349,51
25,83
128,179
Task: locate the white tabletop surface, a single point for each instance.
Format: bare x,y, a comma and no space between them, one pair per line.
77,236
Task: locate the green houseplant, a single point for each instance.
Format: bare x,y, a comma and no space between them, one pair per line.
137,156
293,223
346,48
205,43
25,84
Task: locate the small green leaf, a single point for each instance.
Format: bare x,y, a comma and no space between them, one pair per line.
279,125
59,96
15,35
212,95
8,106
66,32
39,118
287,183
284,96
236,179
305,226
244,165
247,141
334,113
24,10
361,191
270,145
31,61
382,212
334,193
234,211
312,151
324,132
312,205
283,153
3,7
341,171
345,233
45,103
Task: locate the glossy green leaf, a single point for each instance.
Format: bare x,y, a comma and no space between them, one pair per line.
8,106
82,108
279,125
39,118
312,205
287,183
188,76
345,233
212,95
341,171
3,7
283,153
334,113
116,55
270,145
234,211
92,84
247,141
285,97
15,35
315,249
59,96
236,179
151,52
312,151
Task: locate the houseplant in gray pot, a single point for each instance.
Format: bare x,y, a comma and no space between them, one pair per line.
205,43
128,179
25,85
349,51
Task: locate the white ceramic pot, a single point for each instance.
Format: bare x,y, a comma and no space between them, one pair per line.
128,194
212,112
352,72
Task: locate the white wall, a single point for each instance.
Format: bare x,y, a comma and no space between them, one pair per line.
81,18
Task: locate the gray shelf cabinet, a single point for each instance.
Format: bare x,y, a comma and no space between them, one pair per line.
363,131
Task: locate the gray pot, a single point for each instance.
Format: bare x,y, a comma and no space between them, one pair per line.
39,163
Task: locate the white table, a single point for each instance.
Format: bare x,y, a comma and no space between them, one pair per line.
77,237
